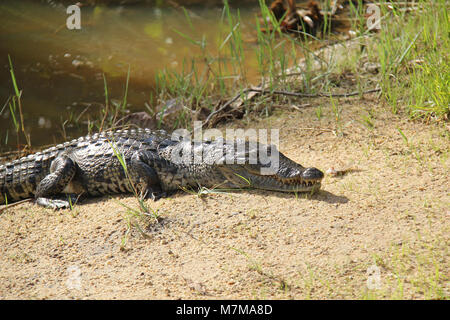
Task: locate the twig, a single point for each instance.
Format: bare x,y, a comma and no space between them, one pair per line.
320,129
315,95
286,93
14,204
298,108
225,105
4,106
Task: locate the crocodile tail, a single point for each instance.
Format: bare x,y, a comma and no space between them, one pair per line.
19,179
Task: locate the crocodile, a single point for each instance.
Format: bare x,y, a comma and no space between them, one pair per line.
151,163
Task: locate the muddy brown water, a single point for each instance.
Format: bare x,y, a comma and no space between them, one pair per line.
60,71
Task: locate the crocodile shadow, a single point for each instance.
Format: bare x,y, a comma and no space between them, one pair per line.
321,195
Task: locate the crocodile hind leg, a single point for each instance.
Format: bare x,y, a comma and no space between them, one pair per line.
145,177
62,170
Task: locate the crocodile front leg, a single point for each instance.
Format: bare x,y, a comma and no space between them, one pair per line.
62,170
145,177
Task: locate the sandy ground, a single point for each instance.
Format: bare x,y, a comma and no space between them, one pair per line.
380,231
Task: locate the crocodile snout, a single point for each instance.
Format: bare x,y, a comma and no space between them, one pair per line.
312,174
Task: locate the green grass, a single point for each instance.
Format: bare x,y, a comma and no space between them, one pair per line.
137,219
413,51
145,214
16,106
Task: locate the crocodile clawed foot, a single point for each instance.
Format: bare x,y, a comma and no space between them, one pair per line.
155,196
58,204
53,203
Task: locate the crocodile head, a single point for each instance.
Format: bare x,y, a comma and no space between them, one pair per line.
236,165
275,172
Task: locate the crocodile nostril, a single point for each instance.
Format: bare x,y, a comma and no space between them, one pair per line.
312,173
